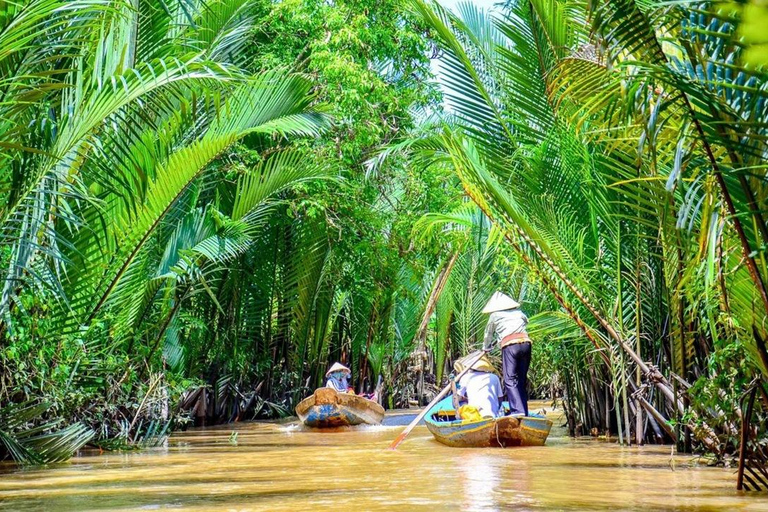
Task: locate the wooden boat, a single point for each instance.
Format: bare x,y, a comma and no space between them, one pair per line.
505,431
327,408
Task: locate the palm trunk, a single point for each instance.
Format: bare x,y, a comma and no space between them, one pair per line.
434,296
705,434
429,308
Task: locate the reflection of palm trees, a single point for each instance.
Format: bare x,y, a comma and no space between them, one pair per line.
491,481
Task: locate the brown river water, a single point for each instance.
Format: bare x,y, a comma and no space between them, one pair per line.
281,467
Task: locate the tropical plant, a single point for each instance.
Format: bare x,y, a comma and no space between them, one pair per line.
30,442
188,232
112,115
617,147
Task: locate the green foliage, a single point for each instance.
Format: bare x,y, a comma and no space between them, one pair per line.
208,202
188,220
617,146
754,16
29,442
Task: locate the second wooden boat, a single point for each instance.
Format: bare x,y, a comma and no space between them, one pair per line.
327,408
506,431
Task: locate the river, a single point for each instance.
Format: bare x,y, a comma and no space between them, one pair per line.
282,467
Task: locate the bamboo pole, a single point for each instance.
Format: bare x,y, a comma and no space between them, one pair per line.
745,439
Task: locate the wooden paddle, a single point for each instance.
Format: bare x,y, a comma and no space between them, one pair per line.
399,439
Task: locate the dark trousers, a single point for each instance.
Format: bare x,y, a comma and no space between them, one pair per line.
515,360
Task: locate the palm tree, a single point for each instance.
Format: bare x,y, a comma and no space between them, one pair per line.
621,170
120,137
115,117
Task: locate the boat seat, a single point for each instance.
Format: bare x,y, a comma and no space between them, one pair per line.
445,415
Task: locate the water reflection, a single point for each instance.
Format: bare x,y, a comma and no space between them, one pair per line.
279,467
486,482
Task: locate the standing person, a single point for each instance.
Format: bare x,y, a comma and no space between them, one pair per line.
507,322
337,378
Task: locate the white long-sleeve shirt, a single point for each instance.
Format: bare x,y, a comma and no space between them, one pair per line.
502,324
483,390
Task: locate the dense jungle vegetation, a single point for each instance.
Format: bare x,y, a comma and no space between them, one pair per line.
208,202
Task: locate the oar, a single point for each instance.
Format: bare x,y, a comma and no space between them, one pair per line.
399,439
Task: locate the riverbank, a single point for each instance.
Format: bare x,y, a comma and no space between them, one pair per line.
278,466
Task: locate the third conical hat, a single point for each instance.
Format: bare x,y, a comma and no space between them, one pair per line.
500,302
337,367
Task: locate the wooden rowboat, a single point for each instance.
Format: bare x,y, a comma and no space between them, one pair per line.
327,408
504,432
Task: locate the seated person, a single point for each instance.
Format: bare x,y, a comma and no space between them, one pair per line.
481,387
338,378
368,393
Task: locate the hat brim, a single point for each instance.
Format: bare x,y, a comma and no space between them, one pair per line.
494,309
484,367
481,365
500,302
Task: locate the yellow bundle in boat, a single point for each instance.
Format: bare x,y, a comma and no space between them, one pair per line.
469,413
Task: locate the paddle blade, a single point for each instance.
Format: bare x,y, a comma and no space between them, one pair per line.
398,440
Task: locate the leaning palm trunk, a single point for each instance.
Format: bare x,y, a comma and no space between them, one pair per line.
549,140
429,308
493,200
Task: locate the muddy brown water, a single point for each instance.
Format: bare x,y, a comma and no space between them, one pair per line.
282,467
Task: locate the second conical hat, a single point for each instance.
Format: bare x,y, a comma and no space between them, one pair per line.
482,365
337,367
500,302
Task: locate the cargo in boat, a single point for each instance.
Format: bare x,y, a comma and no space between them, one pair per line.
505,431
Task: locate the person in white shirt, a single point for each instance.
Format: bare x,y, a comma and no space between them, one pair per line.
507,324
481,387
338,376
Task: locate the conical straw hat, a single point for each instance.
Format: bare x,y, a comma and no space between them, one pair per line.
500,302
482,365
337,367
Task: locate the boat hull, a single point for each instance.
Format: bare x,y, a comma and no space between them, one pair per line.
327,408
507,431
